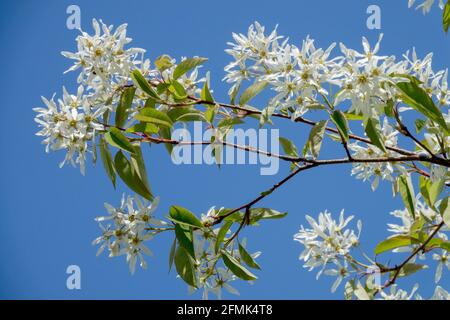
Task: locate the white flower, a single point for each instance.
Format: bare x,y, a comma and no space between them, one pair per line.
129,226
443,261
70,125
327,241
104,61
341,272
399,294
440,294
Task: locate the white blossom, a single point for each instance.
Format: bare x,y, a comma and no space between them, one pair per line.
127,228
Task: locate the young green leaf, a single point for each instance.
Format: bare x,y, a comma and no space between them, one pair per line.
143,84
123,107
446,17
235,267
173,249
177,90
163,62
221,234
372,129
206,95
395,242
341,123
314,142
137,161
411,268
247,258
185,239
257,214
116,138
444,209
148,128
154,116
252,91
407,193
430,190
418,98
184,216
187,65
107,161
184,266
288,147
130,177
185,115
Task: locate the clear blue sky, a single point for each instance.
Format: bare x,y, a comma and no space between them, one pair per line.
46,213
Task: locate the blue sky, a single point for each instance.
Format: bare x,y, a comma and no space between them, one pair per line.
46,213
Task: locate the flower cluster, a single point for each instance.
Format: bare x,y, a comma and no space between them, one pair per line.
376,170
104,61
328,242
104,64
127,227
69,124
301,76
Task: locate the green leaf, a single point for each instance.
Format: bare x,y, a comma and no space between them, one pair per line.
445,211
184,216
235,267
185,115
418,98
221,234
148,128
184,266
123,107
107,161
430,190
163,62
395,242
117,139
446,17
173,249
185,239
389,108
352,116
186,65
288,147
411,268
177,90
206,95
257,214
252,91
154,116
372,129
407,193
314,142
247,258
166,133
210,113
137,160
143,84
419,124
130,176
229,122
341,123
